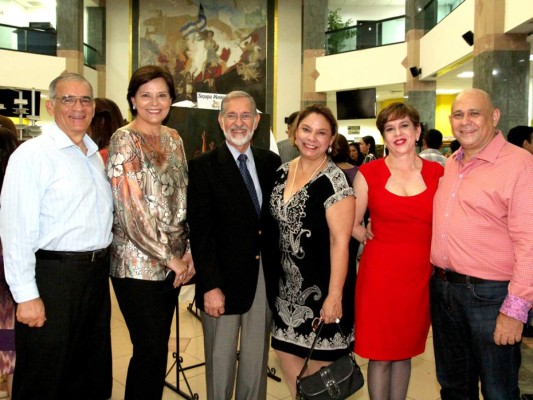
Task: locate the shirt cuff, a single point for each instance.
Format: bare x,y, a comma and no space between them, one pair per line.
515,307
25,292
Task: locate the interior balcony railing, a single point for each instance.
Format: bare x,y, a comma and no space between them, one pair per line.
365,35
39,41
436,10
369,34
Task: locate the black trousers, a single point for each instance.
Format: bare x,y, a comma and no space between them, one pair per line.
70,356
148,308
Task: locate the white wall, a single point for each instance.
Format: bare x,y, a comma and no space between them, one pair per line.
447,38
288,64
517,12
118,53
26,70
12,13
92,76
362,68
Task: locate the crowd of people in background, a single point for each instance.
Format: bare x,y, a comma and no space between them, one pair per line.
272,244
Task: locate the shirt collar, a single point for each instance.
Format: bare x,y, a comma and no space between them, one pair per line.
62,141
489,152
235,153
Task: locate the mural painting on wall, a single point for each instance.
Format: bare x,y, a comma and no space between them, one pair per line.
213,46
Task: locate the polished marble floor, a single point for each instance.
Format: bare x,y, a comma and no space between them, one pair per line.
423,384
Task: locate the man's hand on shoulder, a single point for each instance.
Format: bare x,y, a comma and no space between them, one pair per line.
508,330
214,301
31,313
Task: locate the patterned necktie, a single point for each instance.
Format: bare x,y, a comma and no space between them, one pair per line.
248,181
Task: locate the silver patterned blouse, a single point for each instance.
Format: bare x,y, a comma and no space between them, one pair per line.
149,179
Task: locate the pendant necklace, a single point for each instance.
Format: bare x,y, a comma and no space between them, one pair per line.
296,171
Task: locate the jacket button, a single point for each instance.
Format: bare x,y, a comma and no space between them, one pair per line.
259,233
257,257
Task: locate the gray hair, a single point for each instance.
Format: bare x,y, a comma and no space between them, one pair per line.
235,95
66,76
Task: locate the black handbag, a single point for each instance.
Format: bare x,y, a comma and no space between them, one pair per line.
338,380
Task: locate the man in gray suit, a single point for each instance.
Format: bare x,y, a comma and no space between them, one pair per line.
287,150
233,241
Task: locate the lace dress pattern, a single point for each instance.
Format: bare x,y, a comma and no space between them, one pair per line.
305,257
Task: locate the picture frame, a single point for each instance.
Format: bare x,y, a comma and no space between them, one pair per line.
213,46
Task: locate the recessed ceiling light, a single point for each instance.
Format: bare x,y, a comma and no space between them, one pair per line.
466,74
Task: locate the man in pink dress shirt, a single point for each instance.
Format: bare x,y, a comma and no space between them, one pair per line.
482,251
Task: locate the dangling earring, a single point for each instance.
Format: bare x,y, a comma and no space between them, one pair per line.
329,149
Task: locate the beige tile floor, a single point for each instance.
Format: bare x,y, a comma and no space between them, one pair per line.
423,384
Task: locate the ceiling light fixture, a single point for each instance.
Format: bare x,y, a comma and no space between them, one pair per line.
466,74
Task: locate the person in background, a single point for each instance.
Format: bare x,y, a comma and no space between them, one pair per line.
482,253
9,124
521,136
287,150
107,119
356,157
312,203
55,223
392,293
149,258
454,145
342,157
368,148
234,243
431,144
8,144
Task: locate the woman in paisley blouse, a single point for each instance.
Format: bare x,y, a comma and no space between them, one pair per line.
312,202
149,256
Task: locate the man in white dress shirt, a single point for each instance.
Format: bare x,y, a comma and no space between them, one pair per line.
55,226
432,142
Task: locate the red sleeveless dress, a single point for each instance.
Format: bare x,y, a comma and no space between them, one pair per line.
392,292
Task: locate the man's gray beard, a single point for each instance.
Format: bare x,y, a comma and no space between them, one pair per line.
239,141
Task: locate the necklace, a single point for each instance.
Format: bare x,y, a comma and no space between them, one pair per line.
296,171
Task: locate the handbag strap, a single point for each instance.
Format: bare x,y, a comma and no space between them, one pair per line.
308,358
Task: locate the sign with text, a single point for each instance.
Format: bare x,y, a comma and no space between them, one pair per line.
209,101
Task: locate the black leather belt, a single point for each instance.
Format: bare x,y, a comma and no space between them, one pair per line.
456,277
84,256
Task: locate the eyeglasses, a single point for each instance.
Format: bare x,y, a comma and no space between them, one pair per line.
70,101
245,117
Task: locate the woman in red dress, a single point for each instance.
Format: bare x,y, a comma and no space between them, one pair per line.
392,292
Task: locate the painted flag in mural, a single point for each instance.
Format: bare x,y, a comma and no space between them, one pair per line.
195,26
